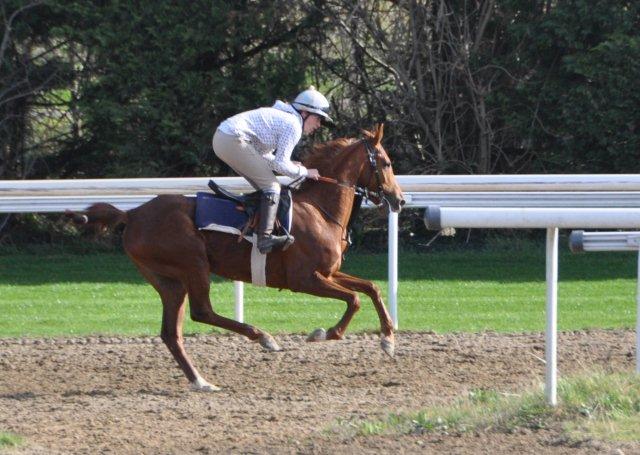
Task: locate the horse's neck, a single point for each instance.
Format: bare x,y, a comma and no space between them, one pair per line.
336,200
345,167
333,200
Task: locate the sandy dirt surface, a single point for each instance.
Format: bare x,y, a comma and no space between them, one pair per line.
124,395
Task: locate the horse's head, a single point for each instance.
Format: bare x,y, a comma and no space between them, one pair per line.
377,176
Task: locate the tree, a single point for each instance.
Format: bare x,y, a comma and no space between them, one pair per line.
31,68
493,86
157,80
428,69
577,104
25,70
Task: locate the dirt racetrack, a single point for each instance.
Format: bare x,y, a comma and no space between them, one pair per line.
123,395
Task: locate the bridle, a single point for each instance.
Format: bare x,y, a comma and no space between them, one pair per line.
375,170
361,192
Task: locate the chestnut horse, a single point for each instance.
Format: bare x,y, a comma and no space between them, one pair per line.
174,256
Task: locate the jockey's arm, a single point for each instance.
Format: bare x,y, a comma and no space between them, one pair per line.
281,162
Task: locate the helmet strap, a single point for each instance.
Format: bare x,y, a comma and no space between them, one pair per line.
300,114
304,119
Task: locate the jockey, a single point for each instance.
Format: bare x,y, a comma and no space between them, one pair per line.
258,143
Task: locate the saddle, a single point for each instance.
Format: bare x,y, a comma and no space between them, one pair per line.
249,202
234,213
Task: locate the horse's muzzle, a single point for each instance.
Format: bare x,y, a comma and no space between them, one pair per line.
395,203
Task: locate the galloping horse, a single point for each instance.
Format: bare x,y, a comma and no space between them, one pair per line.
176,258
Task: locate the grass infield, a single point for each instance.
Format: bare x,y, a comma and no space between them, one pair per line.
61,294
10,440
600,406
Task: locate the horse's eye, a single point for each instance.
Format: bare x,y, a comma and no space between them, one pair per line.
386,164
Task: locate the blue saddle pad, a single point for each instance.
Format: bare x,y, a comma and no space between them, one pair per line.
220,214
213,213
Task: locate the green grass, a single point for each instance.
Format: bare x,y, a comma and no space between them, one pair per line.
60,294
599,406
8,440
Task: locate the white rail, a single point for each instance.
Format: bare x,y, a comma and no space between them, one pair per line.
420,191
550,219
409,183
612,241
437,218
604,241
556,195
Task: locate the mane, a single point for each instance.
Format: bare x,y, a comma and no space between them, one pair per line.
323,155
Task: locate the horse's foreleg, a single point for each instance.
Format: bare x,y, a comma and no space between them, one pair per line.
325,287
369,288
202,311
172,294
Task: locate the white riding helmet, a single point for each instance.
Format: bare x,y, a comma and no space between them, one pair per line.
312,101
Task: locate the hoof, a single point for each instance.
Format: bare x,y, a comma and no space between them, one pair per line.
200,385
269,343
388,345
317,335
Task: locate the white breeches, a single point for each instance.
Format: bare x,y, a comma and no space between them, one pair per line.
243,158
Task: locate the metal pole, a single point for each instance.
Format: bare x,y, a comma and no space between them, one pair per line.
393,267
239,293
552,317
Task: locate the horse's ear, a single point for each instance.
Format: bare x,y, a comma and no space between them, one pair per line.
377,138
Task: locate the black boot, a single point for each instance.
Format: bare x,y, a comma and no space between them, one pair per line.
268,211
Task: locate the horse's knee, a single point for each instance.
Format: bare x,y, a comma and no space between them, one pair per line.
375,290
354,303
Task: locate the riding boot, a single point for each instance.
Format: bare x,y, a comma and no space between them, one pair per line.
268,211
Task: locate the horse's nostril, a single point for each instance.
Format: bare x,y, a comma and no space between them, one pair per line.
402,202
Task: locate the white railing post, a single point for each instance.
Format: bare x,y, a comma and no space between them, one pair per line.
393,267
552,317
239,294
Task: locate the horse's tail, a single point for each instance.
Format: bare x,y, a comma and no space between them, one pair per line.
100,215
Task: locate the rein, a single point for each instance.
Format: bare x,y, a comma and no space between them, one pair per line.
334,181
363,191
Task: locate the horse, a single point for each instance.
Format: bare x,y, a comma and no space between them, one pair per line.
161,239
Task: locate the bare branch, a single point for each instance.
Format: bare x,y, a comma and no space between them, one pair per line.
8,24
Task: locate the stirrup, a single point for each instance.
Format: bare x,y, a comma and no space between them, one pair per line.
267,243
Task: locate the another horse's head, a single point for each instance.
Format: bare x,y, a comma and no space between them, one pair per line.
377,176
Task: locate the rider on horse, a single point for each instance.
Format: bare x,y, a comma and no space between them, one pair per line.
259,142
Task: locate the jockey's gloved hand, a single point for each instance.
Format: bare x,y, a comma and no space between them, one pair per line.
313,174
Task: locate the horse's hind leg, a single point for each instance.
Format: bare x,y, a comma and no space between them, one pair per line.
201,311
172,292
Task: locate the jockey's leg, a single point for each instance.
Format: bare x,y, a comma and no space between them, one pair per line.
246,161
268,210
